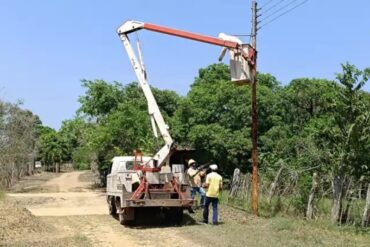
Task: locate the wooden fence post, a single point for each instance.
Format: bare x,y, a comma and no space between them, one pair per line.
366,214
311,197
235,183
275,184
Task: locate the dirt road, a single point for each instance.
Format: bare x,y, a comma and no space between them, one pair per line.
73,207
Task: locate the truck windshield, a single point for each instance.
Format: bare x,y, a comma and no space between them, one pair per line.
129,165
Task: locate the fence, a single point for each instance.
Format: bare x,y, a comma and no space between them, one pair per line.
301,194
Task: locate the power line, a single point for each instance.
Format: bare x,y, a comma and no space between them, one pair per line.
284,13
267,3
272,7
280,9
241,35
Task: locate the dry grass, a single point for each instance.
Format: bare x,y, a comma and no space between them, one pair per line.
2,195
34,184
76,240
87,176
18,227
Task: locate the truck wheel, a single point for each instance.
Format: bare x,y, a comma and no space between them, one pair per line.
127,217
112,207
178,215
121,219
174,216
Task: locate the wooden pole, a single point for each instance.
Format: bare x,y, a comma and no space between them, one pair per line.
254,113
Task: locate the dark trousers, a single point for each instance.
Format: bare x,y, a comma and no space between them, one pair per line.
214,202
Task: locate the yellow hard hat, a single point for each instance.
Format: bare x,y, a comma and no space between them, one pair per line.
190,162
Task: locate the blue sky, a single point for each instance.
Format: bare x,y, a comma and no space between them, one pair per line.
47,47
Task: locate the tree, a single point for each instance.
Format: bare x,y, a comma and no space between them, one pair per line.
52,149
216,116
302,109
74,136
349,118
123,123
18,135
100,98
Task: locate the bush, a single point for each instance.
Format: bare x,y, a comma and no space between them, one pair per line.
82,166
300,200
81,158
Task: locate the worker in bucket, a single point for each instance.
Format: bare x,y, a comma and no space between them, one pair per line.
214,186
195,180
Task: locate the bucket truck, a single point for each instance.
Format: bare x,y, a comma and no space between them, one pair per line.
138,181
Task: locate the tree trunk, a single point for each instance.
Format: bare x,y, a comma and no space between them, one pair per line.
345,214
57,167
274,184
30,167
336,209
235,182
360,187
366,214
13,176
311,197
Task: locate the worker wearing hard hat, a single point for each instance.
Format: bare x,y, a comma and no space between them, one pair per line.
195,180
214,186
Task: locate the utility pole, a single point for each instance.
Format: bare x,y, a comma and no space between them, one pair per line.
254,111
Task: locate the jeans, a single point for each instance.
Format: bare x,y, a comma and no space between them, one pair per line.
214,202
202,193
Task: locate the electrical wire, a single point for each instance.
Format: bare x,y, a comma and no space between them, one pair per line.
280,9
241,35
282,14
272,7
267,3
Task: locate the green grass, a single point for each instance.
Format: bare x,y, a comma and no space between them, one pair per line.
289,206
239,228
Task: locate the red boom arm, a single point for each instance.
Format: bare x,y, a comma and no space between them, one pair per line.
192,36
132,26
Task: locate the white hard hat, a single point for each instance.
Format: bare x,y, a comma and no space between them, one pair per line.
191,161
213,167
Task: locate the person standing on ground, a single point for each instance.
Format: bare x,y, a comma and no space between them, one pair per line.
195,181
214,185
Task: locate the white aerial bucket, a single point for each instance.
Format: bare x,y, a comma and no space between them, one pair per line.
240,69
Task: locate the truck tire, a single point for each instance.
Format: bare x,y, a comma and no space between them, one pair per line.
112,207
178,214
121,219
127,217
174,216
